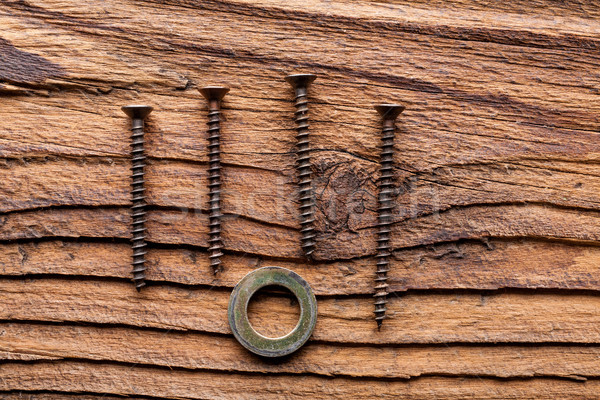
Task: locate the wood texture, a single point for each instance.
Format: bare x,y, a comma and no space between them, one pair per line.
197,351
77,376
495,274
481,265
414,318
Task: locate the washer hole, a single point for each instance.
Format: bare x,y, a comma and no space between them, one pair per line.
273,311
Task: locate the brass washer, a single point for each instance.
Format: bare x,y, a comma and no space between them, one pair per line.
238,312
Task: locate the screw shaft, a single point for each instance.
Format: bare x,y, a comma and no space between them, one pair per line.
386,189
303,163
138,198
214,177
215,243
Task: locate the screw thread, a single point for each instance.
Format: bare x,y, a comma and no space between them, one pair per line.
138,207
303,166
384,223
214,178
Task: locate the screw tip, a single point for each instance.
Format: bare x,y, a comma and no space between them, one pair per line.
137,111
214,92
389,111
300,80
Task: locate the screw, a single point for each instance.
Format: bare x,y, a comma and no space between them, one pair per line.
214,95
389,112
300,83
138,207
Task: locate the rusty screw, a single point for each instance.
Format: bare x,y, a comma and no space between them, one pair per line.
214,95
138,207
300,83
389,113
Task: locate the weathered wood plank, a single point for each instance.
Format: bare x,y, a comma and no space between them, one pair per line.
23,356
346,188
414,317
498,173
580,9
547,66
107,378
209,352
275,43
63,183
176,131
488,265
434,189
469,14
185,227
67,223
37,395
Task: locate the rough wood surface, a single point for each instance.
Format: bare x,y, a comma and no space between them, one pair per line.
479,265
26,341
496,267
135,380
414,317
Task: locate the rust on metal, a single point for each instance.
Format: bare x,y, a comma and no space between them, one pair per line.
238,312
300,83
214,95
138,114
389,113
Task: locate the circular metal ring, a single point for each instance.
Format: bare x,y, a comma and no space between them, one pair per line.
238,312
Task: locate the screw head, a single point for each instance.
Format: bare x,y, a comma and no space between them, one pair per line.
300,80
137,111
214,92
389,111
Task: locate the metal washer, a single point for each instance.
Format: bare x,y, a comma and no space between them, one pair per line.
238,312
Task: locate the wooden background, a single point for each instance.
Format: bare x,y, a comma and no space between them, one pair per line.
497,226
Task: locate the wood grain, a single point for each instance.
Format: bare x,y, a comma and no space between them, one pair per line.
479,265
106,378
496,245
200,351
242,235
38,395
414,318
